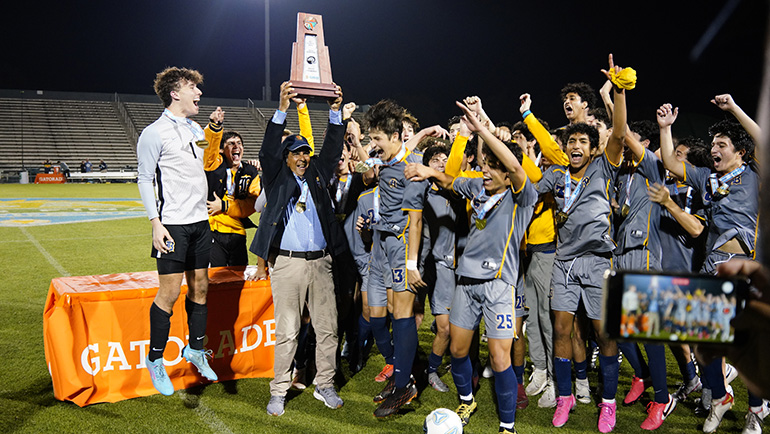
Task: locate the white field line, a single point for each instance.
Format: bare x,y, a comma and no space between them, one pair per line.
51,260
208,416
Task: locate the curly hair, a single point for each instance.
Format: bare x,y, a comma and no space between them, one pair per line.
735,132
698,153
584,90
386,116
581,128
521,126
647,130
171,79
433,150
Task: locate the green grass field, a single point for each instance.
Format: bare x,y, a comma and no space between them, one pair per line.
33,255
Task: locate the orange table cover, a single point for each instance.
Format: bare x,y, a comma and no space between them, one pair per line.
97,334
50,178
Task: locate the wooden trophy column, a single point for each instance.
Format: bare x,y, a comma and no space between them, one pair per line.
311,69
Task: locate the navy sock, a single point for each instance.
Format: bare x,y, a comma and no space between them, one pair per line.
506,389
462,375
715,378
405,348
562,368
382,338
364,330
196,322
160,324
519,371
690,370
656,354
754,401
434,361
633,354
581,369
609,369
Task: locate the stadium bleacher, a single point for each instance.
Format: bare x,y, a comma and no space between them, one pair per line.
72,127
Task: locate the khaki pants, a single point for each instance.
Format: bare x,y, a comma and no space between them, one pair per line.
294,281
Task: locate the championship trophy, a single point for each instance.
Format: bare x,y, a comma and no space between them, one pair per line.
311,69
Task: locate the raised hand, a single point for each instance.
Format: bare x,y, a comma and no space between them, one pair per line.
336,102
471,120
725,102
526,103
287,93
435,131
504,135
217,116
667,115
612,67
474,104
348,109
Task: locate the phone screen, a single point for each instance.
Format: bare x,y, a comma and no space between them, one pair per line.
674,308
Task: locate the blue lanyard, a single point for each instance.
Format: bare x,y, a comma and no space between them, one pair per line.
194,127
371,162
724,179
569,199
376,204
481,211
342,190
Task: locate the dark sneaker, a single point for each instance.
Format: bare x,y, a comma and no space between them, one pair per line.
400,397
386,392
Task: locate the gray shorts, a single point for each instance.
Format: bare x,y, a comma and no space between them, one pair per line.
378,278
395,260
441,286
717,257
492,298
579,279
637,259
520,304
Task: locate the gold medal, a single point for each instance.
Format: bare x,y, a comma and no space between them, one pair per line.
561,217
481,224
624,210
723,190
202,143
362,167
300,207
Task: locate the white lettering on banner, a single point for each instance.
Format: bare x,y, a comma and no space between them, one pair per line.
116,355
227,341
95,360
269,332
245,344
142,352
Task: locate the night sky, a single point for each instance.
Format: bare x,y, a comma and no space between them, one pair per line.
424,54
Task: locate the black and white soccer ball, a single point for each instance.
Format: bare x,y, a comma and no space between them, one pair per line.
443,421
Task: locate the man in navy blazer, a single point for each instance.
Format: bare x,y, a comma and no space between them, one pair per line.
298,236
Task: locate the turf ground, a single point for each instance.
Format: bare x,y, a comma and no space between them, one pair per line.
33,255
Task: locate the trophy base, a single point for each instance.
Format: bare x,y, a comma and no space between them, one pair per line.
314,91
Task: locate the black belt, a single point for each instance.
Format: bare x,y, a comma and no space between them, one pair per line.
315,254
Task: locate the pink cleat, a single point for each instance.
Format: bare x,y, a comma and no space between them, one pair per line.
564,405
607,417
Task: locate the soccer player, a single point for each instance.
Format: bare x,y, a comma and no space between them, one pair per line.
730,192
584,251
502,204
400,231
168,155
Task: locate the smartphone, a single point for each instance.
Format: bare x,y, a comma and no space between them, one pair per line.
685,308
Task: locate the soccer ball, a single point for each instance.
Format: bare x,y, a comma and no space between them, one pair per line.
443,421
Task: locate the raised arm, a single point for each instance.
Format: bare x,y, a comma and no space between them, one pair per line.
271,152
213,133
548,145
434,131
637,149
454,161
666,117
606,93
331,151
614,149
726,103
305,128
511,164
